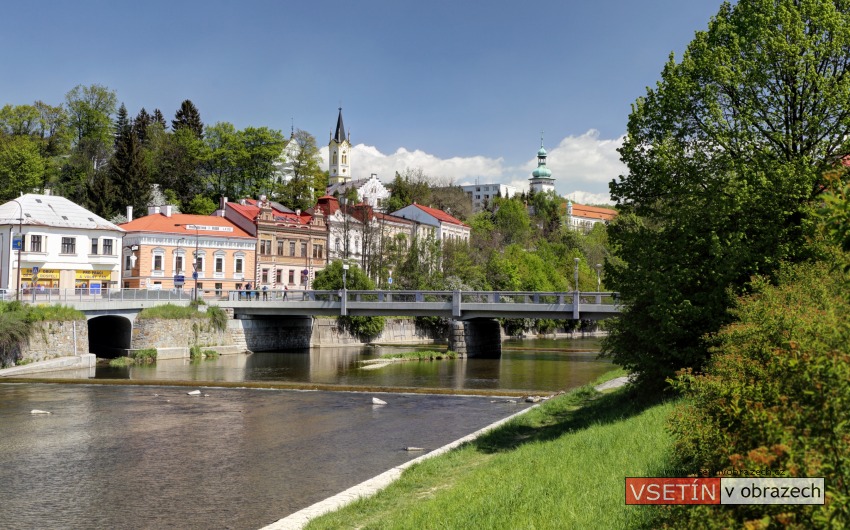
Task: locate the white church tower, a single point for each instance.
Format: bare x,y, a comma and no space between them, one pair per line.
541,178
339,154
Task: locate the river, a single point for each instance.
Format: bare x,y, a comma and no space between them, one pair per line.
156,457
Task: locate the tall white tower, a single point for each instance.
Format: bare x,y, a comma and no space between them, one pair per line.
541,178
339,153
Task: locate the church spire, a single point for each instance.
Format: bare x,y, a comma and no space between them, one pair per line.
339,135
339,149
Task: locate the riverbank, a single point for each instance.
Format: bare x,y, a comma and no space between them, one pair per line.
561,464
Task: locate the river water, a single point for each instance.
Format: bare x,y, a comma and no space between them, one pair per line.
156,457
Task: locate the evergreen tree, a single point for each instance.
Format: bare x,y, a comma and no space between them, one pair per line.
188,117
140,125
122,124
129,172
160,119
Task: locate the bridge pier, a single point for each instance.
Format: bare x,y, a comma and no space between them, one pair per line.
480,337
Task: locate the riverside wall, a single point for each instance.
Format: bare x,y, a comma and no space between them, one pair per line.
48,341
172,338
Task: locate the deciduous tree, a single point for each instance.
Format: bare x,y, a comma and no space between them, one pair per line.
724,157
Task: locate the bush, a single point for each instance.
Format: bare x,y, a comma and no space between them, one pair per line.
210,354
195,353
218,318
775,397
146,355
121,362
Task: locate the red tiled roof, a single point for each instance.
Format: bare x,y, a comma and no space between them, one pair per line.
250,211
593,212
440,215
176,224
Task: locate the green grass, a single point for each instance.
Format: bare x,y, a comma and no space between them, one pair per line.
121,362
171,311
428,355
561,465
145,355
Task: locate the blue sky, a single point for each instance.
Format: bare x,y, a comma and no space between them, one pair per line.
459,89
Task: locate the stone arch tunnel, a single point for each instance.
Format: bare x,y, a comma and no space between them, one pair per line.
110,335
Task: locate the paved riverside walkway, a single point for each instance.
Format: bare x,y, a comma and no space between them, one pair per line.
299,519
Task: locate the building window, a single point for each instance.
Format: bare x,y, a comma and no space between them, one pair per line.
35,243
280,243
219,264
265,247
291,276
317,251
303,249
127,262
278,276
292,248
237,265
107,247
178,263
157,262
264,276
199,264
69,245
337,244
94,246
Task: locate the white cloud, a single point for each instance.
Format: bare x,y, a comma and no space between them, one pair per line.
581,165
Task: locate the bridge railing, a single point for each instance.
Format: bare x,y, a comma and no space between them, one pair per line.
61,296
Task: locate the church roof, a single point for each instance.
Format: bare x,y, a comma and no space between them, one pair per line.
339,135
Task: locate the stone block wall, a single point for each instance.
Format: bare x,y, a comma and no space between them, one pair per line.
328,332
476,338
174,333
53,339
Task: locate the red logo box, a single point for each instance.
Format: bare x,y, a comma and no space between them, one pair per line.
658,490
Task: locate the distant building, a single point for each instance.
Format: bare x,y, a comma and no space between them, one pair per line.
443,226
541,178
70,246
339,154
291,246
164,249
370,191
583,218
482,195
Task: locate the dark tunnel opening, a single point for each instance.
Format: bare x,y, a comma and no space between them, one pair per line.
109,336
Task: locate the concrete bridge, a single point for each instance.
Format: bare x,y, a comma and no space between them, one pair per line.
112,314
457,305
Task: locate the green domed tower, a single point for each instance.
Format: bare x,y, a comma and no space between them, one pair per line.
541,178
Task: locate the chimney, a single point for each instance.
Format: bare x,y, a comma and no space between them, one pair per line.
47,191
153,210
167,210
222,203
129,213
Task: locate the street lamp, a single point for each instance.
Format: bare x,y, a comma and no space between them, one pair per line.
344,271
20,247
598,277
196,228
576,272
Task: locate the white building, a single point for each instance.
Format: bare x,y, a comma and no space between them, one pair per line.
370,191
64,245
482,195
583,218
445,227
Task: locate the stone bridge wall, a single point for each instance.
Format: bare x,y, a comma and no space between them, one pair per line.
177,333
50,340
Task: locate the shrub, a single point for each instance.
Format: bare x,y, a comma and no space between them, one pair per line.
218,318
146,355
774,397
210,354
195,352
121,362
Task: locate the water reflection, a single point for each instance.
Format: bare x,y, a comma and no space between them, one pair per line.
534,365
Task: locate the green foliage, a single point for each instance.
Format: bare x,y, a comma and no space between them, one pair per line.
145,355
121,362
512,221
188,117
201,205
774,397
427,355
330,279
724,157
308,181
408,187
170,311
54,313
218,318
210,354
195,353
21,166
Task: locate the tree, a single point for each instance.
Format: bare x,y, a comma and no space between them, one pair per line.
408,187
331,279
724,155
178,158
188,117
21,166
128,170
512,221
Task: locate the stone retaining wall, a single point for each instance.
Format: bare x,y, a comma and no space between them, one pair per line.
177,333
328,332
50,340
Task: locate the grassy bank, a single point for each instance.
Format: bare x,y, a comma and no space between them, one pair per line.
562,465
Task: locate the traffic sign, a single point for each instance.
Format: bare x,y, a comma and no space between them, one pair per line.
35,271
390,280
17,243
179,280
195,275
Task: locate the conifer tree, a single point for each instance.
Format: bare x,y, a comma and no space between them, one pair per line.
159,118
189,117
